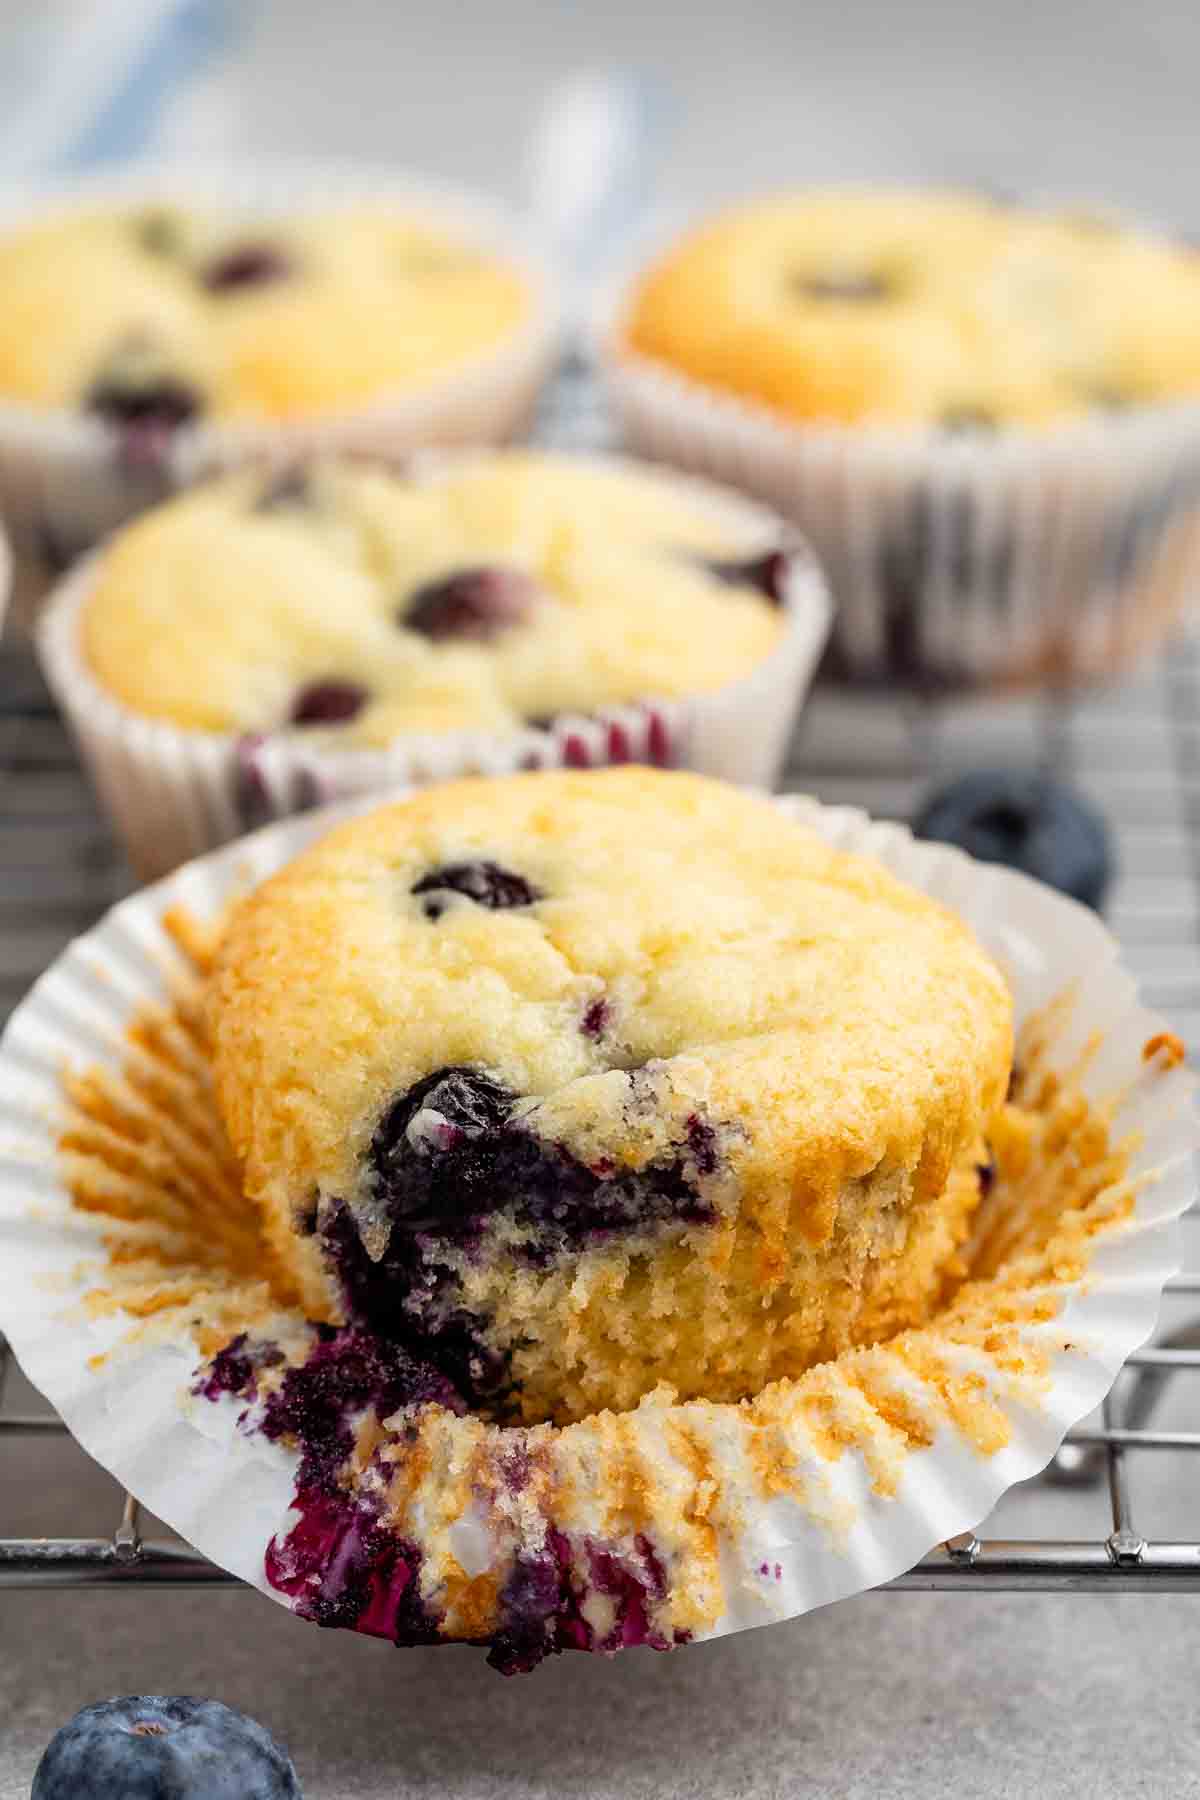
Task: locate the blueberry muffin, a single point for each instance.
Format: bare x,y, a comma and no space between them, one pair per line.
153,317
935,310
577,1084
350,604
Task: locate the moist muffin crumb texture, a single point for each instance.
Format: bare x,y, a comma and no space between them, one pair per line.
575,1085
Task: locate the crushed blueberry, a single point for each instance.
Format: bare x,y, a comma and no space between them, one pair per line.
319,1402
426,1155
768,573
247,265
163,1747
328,703
540,1608
1028,822
449,1152
484,882
479,604
235,1369
343,1567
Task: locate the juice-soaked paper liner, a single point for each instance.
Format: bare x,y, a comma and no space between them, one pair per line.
955,560
666,1523
172,794
64,484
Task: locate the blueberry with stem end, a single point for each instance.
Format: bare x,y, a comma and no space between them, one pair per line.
163,1747
1026,821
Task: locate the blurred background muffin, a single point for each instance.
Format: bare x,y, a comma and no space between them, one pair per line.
279,637
156,328
985,417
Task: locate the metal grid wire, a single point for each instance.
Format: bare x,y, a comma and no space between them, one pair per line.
1134,750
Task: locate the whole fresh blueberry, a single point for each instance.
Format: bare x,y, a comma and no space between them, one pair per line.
478,604
163,1747
1027,822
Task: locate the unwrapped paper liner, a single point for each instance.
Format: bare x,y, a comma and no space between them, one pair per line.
172,793
63,484
754,1512
955,559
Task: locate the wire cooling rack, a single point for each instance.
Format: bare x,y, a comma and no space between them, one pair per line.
1134,750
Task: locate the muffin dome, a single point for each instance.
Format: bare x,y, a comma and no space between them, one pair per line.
154,316
921,308
589,1082
353,604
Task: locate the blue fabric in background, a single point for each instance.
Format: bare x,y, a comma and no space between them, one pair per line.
187,39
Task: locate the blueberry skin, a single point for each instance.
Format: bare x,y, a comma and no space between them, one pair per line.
1027,822
160,1747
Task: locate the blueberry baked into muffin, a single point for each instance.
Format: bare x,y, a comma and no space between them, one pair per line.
154,317
346,604
570,1085
948,311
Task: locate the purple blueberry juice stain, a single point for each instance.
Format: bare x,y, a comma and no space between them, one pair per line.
341,1563
343,1567
476,604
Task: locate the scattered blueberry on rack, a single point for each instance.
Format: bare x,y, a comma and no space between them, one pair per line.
1025,821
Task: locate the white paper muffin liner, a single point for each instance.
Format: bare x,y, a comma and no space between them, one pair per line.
856,1497
173,794
955,560
63,483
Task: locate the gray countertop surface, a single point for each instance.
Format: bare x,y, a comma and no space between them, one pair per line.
891,1695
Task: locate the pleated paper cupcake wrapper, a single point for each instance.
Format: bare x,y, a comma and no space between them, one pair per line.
173,794
64,484
955,560
816,1489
